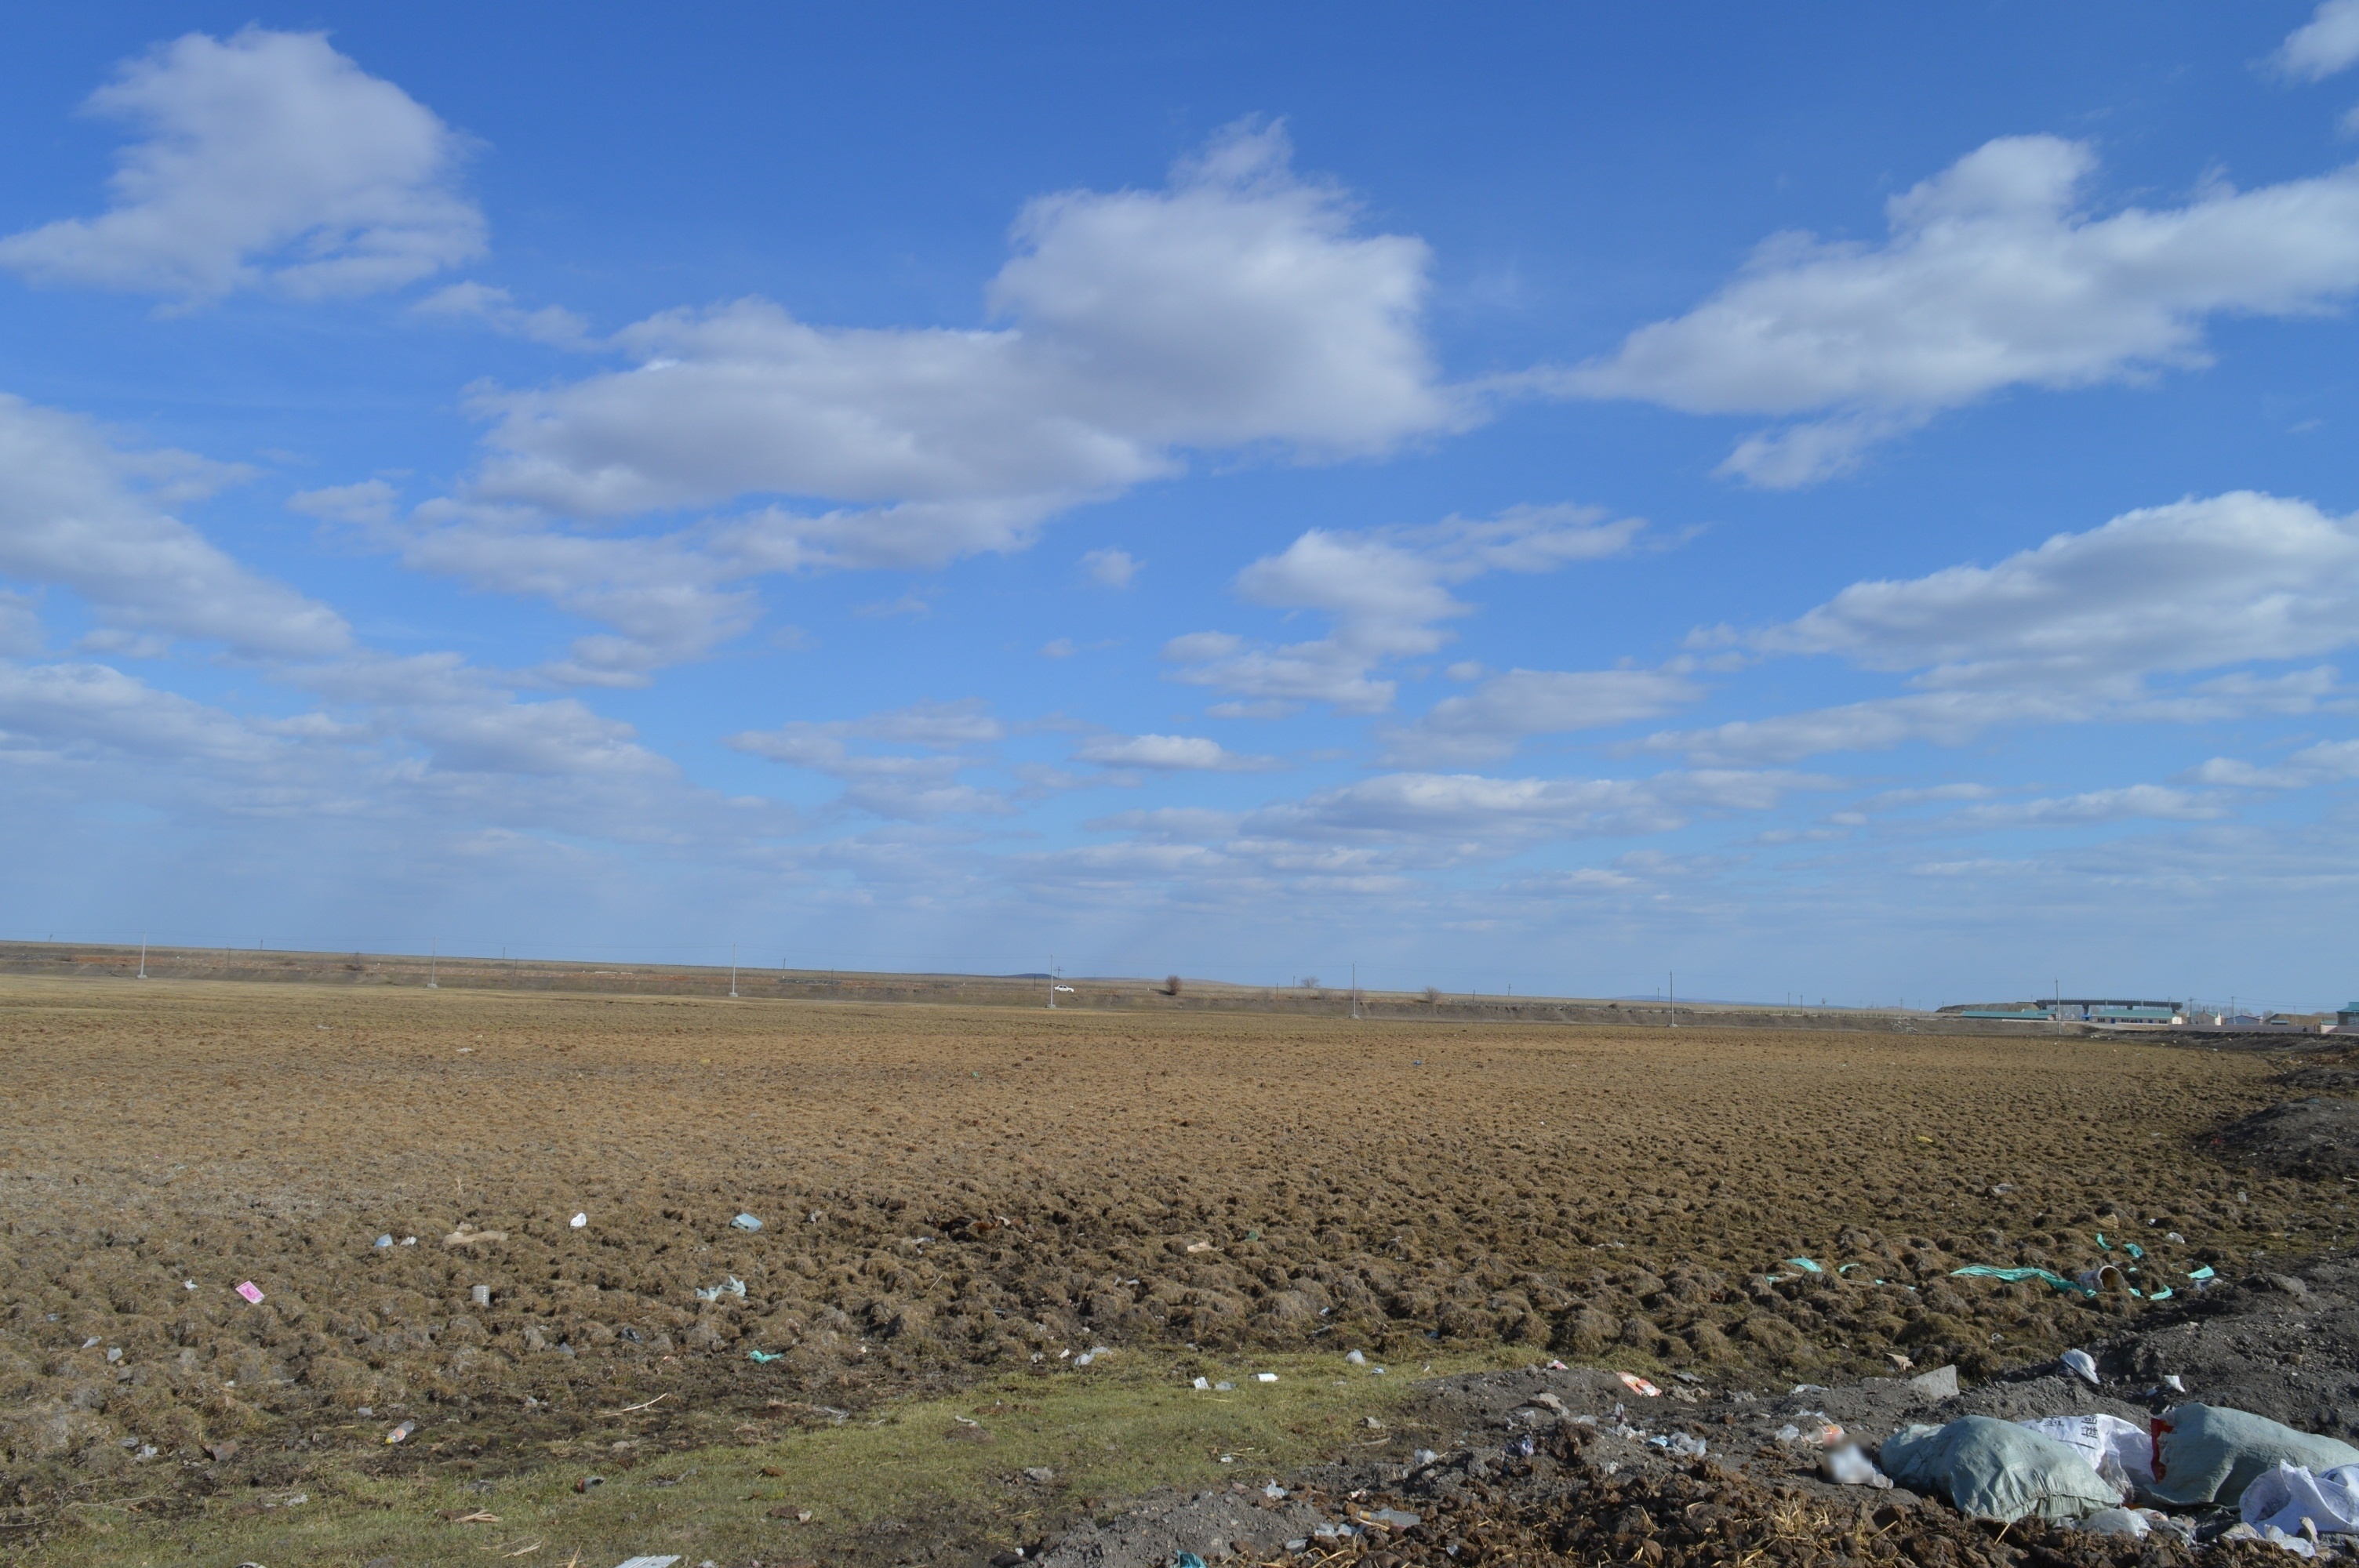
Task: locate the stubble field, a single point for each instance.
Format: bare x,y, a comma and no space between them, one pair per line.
946,1194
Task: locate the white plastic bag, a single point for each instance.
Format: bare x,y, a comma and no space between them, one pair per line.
2287,1495
2121,1451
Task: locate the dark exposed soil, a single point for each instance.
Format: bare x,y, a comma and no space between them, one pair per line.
2316,1139
989,1185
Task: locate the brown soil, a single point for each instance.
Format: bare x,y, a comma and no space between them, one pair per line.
991,1185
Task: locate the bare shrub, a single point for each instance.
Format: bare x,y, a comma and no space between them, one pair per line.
1432,994
1170,985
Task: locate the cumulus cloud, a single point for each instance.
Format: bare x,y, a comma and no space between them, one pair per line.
1994,275
2077,629
77,710
1386,593
2327,43
1111,568
1234,308
892,785
1238,308
1168,753
497,308
2329,761
77,512
1474,815
2094,806
1489,721
267,160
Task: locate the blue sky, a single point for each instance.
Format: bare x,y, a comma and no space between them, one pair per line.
1855,504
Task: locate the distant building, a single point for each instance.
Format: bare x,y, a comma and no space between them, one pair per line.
2077,1010
2348,1017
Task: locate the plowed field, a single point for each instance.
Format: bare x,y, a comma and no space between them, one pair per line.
941,1189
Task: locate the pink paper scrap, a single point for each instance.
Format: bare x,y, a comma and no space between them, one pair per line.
251,1292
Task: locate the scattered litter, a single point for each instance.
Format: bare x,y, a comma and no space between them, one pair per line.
587,1482
188,1284
250,1290
731,1286
2119,1521
2290,1497
1202,1385
90,1344
745,1222
2206,1453
384,1240
1523,1447
1274,1492
648,1562
1228,1458
1995,1469
1682,1443
2175,1239
1847,1466
2082,1363
401,1433
1391,1519
1265,1377
2174,1382
2011,1276
1040,1475
1558,1367
2161,1296
467,1236
764,1357
578,1221
2203,1273
482,1294
1187,1560
1355,1357
816,1217
1637,1385
1223,1389
114,1353
1201,1246
409,1241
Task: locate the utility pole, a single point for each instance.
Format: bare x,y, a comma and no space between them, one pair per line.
434,964
733,969
1052,980
1355,987
1673,979
143,954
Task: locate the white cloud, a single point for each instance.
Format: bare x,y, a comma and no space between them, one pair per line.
497,308
1168,753
1488,721
1473,815
2190,585
268,160
1236,307
2327,43
1993,275
2329,761
666,602
2095,806
1111,568
2078,629
1058,648
1384,592
73,513
80,711
369,501
909,788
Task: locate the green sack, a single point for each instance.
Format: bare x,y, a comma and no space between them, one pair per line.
1995,1469
2206,1453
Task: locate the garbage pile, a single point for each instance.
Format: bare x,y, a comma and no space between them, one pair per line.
2200,1471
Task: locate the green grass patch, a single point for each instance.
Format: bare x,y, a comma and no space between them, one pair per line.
1109,1432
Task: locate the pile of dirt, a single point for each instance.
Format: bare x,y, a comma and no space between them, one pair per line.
2315,1139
